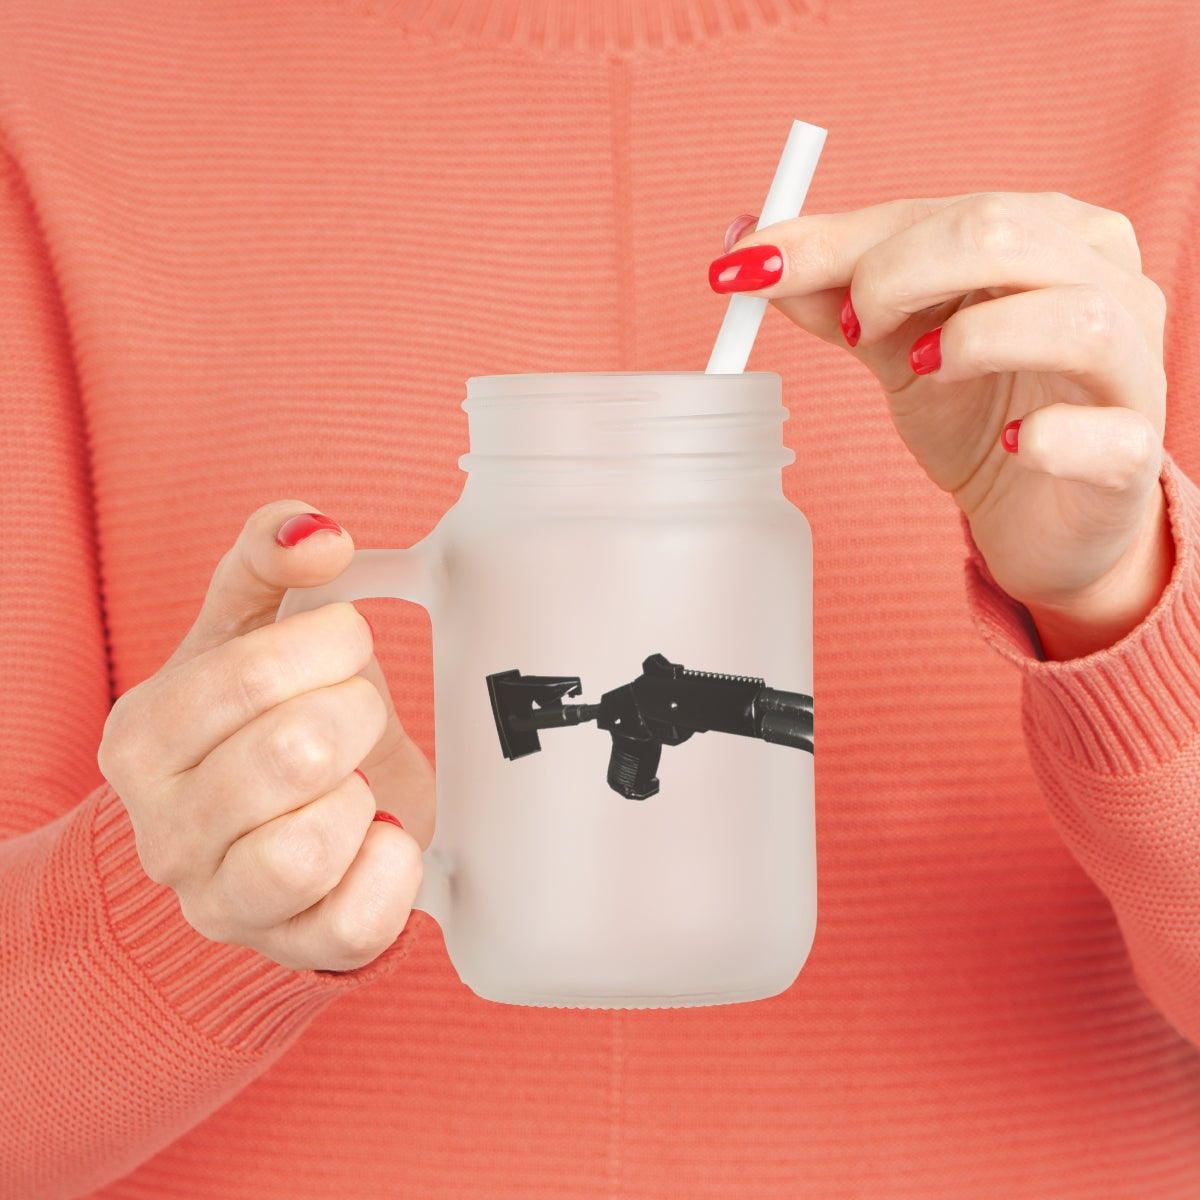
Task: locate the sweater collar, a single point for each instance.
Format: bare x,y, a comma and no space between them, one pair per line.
616,26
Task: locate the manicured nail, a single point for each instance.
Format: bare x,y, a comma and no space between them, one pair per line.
362,777
926,353
851,330
746,270
295,529
737,227
380,815
1009,436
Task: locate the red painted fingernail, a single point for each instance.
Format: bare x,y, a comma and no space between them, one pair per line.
746,270
1009,436
295,529
380,815
926,353
851,330
362,777
737,227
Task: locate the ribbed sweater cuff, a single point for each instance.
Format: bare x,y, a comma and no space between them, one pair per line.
1125,709
233,996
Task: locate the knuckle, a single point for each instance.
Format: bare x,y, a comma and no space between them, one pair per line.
1090,318
880,285
917,208
339,629
360,934
969,341
1140,445
1116,476
258,679
121,753
1126,451
160,857
1059,202
210,919
297,859
1117,229
112,753
351,634
370,711
994,226
299,751
1112,234
1059,206
818,254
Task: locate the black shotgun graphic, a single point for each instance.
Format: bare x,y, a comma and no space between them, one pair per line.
664,706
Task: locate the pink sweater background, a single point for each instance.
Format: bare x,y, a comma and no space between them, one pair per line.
252,251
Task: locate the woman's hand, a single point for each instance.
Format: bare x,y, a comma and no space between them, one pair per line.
1020,350
237,762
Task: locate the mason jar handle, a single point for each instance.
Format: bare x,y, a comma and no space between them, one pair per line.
388,574
395,574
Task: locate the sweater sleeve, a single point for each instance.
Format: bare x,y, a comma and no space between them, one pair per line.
1114,739
120,1027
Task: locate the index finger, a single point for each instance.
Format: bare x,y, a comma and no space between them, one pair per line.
821,250
188,710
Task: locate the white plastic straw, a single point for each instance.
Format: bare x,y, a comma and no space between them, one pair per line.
788,189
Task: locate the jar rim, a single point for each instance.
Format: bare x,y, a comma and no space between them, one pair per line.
571,385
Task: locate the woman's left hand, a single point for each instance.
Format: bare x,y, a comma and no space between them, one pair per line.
980,312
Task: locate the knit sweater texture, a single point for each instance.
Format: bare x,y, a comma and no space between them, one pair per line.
252,251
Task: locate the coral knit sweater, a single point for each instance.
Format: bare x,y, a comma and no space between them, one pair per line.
253,250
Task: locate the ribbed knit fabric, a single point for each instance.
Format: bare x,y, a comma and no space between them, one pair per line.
252,251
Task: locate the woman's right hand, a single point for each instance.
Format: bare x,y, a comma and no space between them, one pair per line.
237,762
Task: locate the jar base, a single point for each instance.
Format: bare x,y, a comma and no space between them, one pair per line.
681,1000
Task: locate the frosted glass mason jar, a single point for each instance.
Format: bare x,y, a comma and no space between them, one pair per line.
622,647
